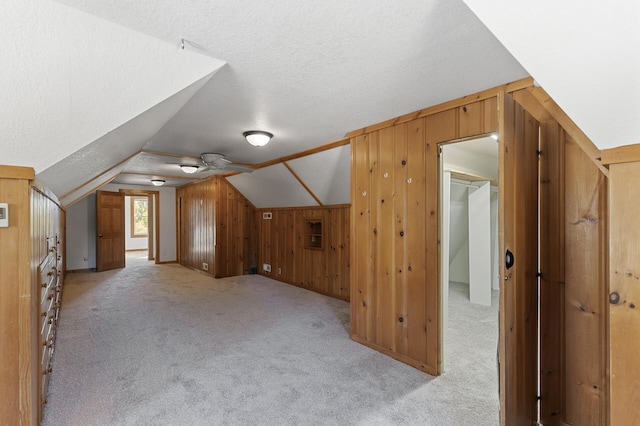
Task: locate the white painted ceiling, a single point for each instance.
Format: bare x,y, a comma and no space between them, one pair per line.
585,54
92,83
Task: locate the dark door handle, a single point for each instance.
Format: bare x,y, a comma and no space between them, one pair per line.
508,259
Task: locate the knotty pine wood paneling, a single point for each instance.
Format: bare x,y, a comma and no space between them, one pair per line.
282,245
216,226
395,289
552,248
395,293
573,288
585,288
624,293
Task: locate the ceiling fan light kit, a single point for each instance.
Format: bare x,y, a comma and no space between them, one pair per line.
257,137
157,182
188,168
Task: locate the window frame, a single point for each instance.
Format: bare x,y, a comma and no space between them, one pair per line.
132,218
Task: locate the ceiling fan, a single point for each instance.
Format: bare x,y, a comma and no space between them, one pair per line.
213,161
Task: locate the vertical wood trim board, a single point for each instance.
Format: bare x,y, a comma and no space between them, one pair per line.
585,290
552,269
624,293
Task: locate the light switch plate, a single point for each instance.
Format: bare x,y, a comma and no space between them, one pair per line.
4,215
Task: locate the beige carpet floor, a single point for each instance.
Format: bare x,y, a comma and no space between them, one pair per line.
163,345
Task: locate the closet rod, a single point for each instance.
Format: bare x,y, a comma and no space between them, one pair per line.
469,184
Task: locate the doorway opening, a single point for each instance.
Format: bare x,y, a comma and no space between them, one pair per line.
142,233
469,261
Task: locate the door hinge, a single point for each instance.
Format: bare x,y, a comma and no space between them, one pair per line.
539,152
539,275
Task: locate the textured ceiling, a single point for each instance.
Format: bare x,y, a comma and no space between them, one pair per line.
586,55
86,86
311,71
68,78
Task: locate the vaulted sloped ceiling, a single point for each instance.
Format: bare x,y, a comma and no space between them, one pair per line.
84,87
307,72
108,151
586,55
321,178
69,78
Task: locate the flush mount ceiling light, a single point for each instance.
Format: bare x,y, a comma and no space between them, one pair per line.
189,169
157,182
257,137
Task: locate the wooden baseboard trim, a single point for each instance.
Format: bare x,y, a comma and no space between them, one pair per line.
402,358
166,262
73,271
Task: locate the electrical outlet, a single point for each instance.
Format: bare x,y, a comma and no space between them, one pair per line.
205,266
267,215
266,267
279,271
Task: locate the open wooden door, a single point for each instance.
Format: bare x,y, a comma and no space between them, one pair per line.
518,183
110,230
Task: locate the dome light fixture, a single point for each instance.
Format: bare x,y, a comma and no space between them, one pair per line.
257,137
157,182
189,168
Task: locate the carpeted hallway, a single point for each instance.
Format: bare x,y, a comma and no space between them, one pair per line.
163,345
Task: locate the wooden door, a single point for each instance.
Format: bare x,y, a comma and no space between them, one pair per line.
518,181
110,230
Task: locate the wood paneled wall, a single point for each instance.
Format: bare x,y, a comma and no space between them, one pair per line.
282,241
573,288
624,292
395,292
216,226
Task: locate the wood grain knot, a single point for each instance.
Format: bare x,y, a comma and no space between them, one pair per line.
401,319
404,162
402,233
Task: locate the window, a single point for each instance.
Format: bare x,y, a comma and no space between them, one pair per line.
139,217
